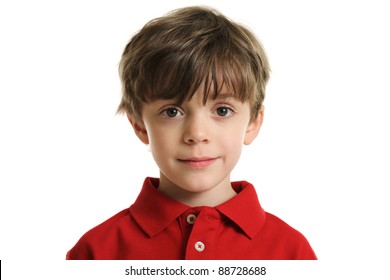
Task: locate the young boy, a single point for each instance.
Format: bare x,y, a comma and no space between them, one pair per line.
193,90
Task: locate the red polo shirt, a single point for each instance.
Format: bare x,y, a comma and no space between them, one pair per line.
157,227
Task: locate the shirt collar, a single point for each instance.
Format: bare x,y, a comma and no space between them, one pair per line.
244,209
154,211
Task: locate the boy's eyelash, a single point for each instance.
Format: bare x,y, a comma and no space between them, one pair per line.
165,111
224,106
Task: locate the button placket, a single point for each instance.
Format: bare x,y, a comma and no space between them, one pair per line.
201,242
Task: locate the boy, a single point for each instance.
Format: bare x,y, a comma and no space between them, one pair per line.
193,87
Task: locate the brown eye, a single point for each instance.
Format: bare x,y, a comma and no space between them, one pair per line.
224,111
171,112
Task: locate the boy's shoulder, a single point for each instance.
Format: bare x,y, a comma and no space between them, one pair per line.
285,238
99,235
279,225
109,224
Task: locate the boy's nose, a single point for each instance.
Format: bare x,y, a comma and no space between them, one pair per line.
195,131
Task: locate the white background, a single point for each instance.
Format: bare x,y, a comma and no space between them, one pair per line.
321,162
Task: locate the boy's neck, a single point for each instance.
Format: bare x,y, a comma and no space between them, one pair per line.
211,197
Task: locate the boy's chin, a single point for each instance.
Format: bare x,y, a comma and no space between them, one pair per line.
199,184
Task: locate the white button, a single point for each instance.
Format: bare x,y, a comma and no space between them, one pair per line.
199,246
191,219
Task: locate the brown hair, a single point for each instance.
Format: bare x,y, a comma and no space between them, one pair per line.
171,56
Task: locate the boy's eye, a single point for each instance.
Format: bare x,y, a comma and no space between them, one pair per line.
224,111
171,112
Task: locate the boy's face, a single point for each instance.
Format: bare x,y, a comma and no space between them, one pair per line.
196,146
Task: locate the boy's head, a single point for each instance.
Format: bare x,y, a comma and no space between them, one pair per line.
172,56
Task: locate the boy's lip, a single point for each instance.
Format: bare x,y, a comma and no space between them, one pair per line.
197,158
198,162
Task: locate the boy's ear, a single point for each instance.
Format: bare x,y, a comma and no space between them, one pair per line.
139,129
254,127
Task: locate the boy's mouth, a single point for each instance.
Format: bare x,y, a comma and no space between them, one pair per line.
200,162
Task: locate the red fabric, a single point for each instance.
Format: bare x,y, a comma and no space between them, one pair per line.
156,227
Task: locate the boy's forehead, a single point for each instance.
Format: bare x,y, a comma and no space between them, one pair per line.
212,86
212,89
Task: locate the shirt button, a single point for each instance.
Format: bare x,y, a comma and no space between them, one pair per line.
191,219
199,246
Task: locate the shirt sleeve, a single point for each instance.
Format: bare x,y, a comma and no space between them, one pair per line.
304,251
80,252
